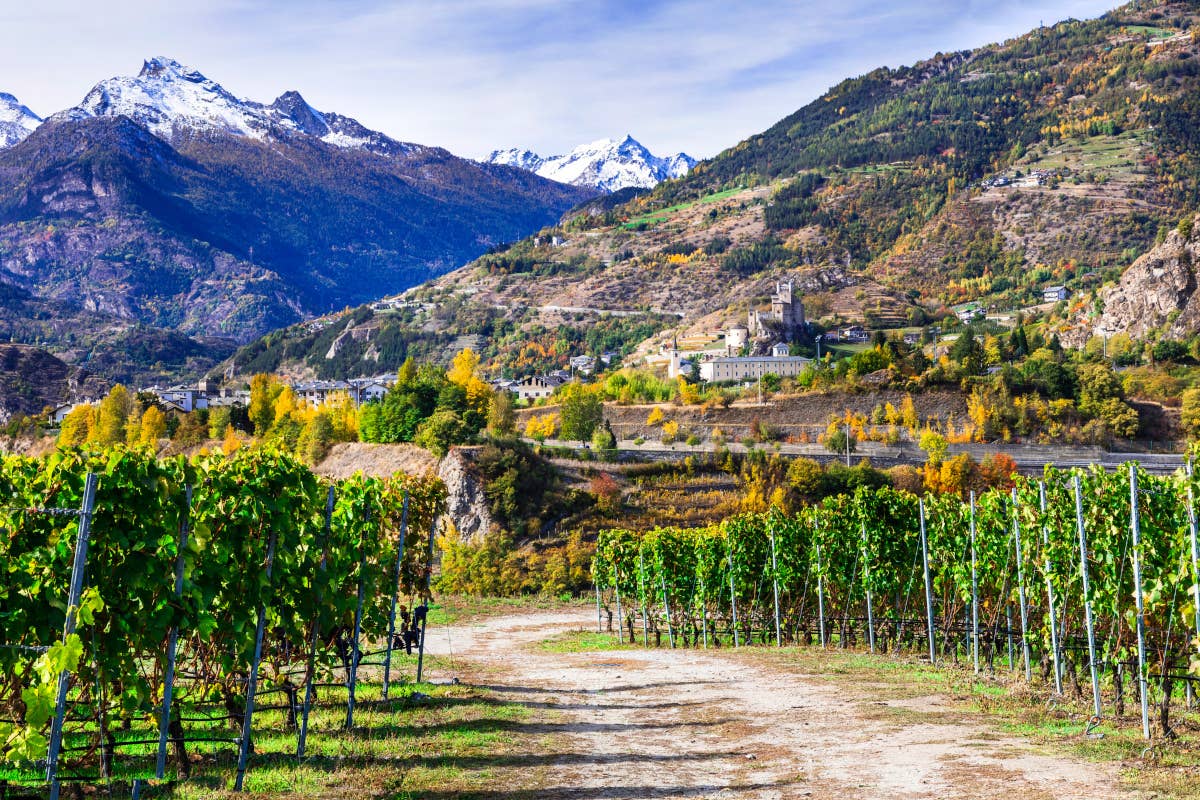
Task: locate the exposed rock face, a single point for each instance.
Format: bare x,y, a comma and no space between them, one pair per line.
466,503
1158,292
31,380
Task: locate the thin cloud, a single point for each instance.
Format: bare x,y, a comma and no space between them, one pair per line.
473,75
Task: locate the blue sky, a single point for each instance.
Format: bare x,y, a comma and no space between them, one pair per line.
474,75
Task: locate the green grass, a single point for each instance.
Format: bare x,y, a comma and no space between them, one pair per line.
663,214
582,642
454,609
1152,32
1114,155
444,737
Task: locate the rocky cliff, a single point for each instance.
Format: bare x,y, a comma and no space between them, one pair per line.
1157,294
32,380
466,503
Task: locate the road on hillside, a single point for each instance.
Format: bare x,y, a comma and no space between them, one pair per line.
664,723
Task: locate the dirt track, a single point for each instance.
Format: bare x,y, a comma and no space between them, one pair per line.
688,723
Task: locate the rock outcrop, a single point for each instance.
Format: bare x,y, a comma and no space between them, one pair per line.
1156,294
466,502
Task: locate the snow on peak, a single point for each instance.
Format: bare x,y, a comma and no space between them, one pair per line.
167,97
605,164
16,121
516,157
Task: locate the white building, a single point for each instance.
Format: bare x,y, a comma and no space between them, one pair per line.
1055,294
184,397
752,367
60,412
736,337
536,387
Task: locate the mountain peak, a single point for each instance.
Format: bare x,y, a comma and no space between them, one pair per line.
166,97
16,120
169,68
292,105
605,164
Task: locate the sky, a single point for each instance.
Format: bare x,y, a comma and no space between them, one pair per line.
476,75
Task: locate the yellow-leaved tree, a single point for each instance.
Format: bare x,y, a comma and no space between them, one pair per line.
77,426
464,372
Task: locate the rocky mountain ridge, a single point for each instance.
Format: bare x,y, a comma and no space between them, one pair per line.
1155,297
169,99
16,120
164,201
606,164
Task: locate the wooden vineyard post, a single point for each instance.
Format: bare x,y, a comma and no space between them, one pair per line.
928,583
428,600
74,592
311,667
703,613
733,599
164,722
867,590
1012,659
391,631
252,682
620,616
1191,509
1050,605
1135,524
974,591
352,678
775,582
1087,601
820,600
666,606
642,588
599,620
1016,529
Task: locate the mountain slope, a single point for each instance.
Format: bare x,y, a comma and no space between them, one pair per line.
16,121
162,200
1053,158
606,164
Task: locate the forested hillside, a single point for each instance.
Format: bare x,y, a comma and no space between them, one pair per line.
1057,157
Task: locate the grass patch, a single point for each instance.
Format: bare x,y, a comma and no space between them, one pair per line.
663,214
454,609
582,642
425,737
431,738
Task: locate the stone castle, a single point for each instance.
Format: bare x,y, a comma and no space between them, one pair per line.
784,321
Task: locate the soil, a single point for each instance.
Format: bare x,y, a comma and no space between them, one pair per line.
694,723
379,460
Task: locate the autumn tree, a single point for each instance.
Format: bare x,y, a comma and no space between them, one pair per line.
581,411
77,426
111,417
264,390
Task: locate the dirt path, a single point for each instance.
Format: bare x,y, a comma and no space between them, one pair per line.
688,723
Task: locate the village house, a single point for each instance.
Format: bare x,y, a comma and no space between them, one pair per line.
734,368
536,387
853,334
1055,294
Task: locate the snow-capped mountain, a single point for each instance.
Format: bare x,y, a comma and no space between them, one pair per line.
516,157
606,164
16,121
167,97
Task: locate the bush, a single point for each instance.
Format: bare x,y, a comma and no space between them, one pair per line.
493,566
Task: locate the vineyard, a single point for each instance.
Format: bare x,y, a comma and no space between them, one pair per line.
150,604
1085,581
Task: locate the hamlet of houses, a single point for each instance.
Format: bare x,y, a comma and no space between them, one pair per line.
740,352
209,394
